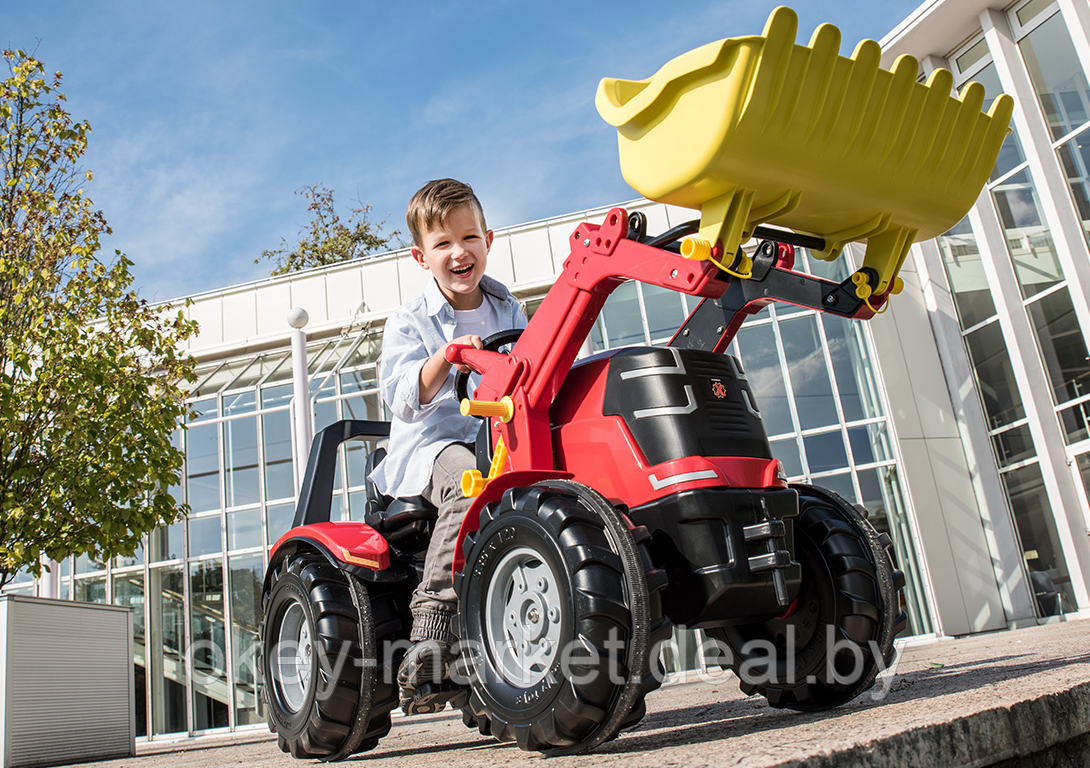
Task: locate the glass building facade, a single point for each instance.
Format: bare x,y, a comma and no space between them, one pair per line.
996,308
1026,296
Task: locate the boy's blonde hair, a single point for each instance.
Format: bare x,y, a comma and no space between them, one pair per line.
435,201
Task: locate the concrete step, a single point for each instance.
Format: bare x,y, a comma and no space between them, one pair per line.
1019,699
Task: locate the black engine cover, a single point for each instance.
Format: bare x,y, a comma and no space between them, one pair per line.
680,403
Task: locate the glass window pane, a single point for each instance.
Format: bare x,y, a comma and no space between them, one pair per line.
965,271
1057,76
363,408
1040,543
238,403
246,575
621,315
825,452
91,589
1013,445
276,435
240,456
260,368
136,558
1010,154
994,375
966,60
1028,240
836,270
1075,422
129,592
86,564
597,339
664,311
1062,345
1082,461
840,484
206,622
870,443
325,413
787,451
357,505
1030,10
205,409
177,492
808,372
854,368
204,536
66,578
280,518
165,649
757,345
244,528
881,495
165,542
202,467
1075,158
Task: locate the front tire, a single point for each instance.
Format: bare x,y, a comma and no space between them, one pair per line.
323,638
560,612
831,643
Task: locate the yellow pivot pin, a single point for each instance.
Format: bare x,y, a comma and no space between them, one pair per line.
701,250
472,481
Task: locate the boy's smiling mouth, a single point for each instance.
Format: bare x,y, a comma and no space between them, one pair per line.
462,271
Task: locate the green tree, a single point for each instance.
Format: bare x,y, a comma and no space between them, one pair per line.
327,239
90,375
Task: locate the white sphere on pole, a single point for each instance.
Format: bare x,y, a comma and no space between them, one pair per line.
298,317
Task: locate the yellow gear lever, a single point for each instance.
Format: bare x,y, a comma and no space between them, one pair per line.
504,408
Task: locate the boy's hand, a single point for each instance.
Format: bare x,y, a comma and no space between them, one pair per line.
471,340
435,370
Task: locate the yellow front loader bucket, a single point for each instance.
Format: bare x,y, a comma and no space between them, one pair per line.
758,129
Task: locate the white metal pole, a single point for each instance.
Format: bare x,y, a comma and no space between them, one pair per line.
302,428
49,584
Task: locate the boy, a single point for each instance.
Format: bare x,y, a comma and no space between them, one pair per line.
429,446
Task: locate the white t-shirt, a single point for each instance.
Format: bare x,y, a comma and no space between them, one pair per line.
482,321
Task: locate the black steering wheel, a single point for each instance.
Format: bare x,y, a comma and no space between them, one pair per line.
492,344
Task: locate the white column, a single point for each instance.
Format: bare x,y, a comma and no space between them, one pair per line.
302,429
49,583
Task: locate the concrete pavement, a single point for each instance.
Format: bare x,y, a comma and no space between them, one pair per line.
1017,699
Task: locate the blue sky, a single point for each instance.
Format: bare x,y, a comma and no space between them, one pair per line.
208,115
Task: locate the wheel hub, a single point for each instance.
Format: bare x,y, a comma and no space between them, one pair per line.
523,617
294,650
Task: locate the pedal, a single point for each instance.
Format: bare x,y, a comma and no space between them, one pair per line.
434,697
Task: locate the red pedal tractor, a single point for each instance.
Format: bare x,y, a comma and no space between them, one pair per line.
636,489
617,496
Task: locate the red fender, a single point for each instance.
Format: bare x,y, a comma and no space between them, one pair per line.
349,541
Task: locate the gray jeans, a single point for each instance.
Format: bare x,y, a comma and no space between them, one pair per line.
434,602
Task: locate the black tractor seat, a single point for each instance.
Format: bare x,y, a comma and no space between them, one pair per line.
405,522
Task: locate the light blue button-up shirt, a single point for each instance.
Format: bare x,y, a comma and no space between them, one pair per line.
415,332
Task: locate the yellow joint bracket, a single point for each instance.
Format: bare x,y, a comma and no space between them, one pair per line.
864,290
472,481
504,408
699,249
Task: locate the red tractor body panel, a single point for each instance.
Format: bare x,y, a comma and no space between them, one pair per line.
348,541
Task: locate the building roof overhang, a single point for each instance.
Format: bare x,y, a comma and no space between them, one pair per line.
935,28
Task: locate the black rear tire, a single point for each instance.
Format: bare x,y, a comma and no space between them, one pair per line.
552,567
839,632
327,688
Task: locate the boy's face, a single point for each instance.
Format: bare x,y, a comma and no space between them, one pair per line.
456,253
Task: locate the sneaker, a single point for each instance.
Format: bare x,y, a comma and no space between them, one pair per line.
426,662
